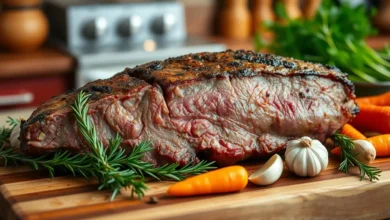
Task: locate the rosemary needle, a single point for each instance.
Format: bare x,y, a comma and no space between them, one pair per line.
348,159
113,168
110,175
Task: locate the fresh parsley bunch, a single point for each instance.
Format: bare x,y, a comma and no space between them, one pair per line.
335,36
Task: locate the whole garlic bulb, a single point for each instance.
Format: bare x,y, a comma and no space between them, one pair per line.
306,157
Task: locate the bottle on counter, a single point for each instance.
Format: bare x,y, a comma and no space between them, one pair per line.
235,19
382,19
310,8
262,11
292,8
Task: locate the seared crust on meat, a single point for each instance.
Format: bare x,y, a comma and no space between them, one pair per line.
99,89
121,83
240,63
199,66
224,106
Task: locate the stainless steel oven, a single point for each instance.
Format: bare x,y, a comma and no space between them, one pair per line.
108,35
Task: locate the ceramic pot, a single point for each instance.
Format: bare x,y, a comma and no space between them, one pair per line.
23,26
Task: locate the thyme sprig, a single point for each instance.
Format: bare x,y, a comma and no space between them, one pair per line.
348,158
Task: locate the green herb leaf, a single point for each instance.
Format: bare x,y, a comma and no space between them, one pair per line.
112,167
109,175
335,36
118,170
76,164
348,159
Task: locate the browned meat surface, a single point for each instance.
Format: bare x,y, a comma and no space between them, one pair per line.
224,106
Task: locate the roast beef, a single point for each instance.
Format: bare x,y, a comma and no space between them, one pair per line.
224,106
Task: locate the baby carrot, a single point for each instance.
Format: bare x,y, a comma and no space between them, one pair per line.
228,179
373,118
336,151
380,100
381,144
351,132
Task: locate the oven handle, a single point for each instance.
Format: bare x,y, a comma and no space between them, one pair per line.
16,99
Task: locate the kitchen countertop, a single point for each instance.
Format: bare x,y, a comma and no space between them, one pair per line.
15,113
378,42
375,42
51,60
48,60
353,192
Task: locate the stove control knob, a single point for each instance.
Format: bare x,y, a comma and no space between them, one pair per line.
163,24
130,26
95,28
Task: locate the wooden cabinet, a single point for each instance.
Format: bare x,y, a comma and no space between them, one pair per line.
32,91
29,79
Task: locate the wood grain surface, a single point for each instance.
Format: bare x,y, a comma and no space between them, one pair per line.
48,60
30,194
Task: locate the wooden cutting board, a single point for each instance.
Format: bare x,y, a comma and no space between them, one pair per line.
29,194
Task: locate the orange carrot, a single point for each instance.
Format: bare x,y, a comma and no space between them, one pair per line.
373,118
380,100
336,151
351,132
381,144
228,179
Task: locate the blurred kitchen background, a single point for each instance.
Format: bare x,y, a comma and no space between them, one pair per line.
52,46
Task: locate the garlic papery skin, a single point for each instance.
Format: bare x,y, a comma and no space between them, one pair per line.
306,157
14,138
365,152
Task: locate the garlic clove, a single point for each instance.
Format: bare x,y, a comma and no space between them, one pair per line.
269,173
364,150
313,164
292,149
322,154
14,138
300,163
291,153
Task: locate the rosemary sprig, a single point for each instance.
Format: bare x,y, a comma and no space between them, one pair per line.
119,170
5,133
76,164
109,174
348,158
13,122
167,171
111,166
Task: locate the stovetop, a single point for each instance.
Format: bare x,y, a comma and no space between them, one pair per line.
100,23
133,53
105,36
